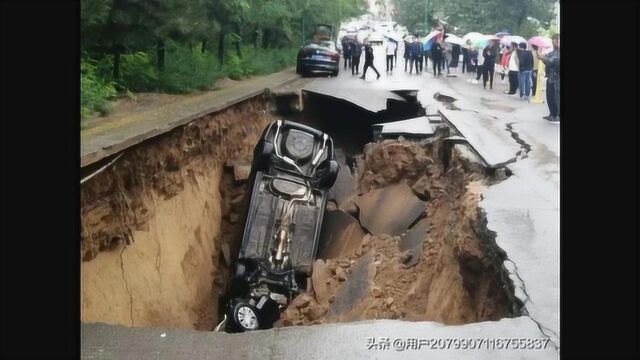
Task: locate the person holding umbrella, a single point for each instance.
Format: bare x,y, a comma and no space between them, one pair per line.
368,60
436,55
552,69
489,55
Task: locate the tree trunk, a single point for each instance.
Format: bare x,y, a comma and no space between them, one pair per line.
116,62
265,38
221,48
238,42
203,46
160,55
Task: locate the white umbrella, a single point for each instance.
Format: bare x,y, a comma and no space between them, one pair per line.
394,36
471,36
452,39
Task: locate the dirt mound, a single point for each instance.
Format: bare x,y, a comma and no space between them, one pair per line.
458,277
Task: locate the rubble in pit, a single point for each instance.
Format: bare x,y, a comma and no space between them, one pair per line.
452,274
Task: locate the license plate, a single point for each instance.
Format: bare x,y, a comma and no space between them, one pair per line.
319,57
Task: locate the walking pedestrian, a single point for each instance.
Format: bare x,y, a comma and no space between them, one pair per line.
368,60
525,67
391,50
356,52
407,54
436,54
552,69
513,70
489,55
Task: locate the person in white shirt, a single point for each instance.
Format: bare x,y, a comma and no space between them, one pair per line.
392,46
513,70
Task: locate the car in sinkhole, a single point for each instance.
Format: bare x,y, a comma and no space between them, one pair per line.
293,168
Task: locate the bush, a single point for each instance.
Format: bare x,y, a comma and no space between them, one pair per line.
138,72
187,69
95,91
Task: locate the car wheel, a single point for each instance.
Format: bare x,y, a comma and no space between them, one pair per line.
245,317
298,71
335,73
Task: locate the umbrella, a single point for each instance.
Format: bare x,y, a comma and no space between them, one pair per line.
502,34
482,42
432,35
452,39
507,40
393,36
471,36
540,41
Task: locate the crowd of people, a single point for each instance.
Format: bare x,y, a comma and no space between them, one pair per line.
515,61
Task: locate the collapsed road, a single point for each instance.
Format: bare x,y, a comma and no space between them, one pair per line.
425,224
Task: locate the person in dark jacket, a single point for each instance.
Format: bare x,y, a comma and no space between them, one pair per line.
368,61
414,52
525,67
489,64
407,53
552,69
465,59
356,52
346,52
436,54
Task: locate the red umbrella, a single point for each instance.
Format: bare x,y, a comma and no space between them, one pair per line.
540,41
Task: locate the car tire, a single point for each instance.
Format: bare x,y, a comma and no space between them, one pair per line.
335,73
245,317
298,70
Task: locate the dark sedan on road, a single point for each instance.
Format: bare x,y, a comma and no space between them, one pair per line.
318,56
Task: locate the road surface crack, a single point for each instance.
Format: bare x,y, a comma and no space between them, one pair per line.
524,146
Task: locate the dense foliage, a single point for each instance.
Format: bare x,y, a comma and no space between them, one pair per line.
180,45
522,17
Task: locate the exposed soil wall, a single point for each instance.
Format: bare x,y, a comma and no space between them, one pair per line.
150,236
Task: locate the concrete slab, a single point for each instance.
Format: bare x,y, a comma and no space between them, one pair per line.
373,100
415,127
493,144
376,339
